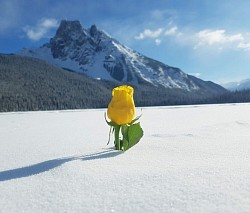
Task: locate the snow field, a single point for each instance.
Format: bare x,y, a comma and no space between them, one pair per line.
191,159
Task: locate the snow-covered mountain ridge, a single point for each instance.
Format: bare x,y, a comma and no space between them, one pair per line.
95,53
240,85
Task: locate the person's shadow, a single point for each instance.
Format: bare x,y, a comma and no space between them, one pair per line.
51,164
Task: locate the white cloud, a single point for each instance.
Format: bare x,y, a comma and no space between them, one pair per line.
244,46
211,37
156,34
196,74
49,23
206,39
171,31
236,37
147,33
157,41
41,30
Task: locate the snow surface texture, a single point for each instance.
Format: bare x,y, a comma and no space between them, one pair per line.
191,159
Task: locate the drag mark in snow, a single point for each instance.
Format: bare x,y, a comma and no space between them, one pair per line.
172,135
242,123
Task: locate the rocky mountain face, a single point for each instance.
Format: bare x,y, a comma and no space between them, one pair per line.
94,53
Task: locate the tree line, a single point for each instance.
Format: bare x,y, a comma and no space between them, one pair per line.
29,84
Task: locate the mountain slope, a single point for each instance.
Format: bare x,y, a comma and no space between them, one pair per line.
241,85
95,53
32,84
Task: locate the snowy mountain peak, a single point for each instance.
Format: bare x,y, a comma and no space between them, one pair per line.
98,55
68,28
93,30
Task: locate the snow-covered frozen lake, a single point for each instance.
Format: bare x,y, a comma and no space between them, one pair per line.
191,159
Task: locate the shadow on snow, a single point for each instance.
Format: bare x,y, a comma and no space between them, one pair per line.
51,164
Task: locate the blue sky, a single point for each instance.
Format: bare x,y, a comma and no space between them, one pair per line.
206,38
